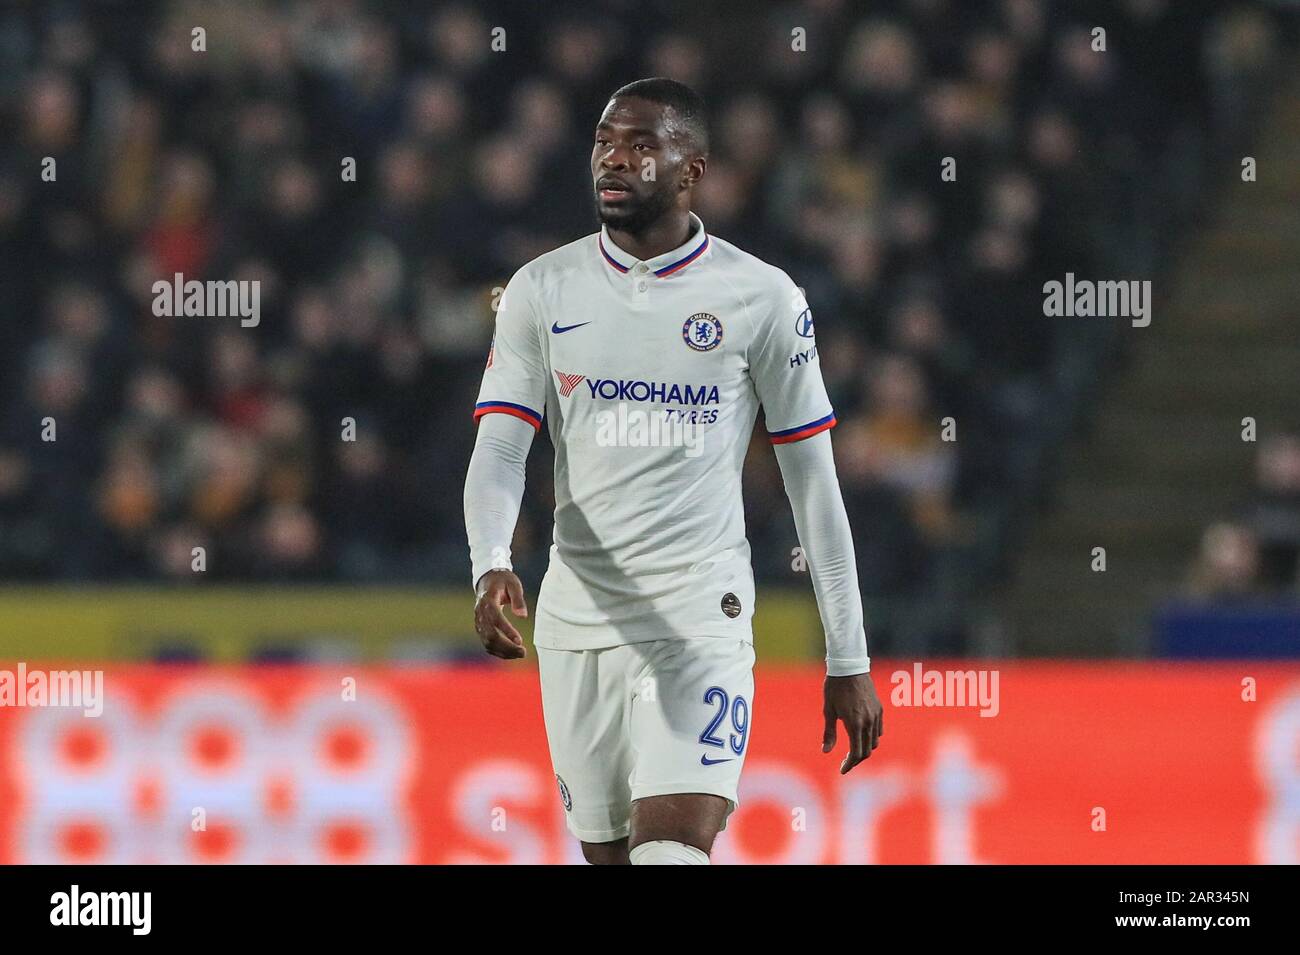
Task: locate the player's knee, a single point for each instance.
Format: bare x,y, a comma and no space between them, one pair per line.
606,853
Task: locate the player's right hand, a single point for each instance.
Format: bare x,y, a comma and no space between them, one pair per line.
497,589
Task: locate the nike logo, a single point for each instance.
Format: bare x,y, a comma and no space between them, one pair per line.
705,761
555,327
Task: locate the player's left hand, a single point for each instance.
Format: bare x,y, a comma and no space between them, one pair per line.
852,701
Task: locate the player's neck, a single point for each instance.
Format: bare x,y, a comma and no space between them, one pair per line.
668,233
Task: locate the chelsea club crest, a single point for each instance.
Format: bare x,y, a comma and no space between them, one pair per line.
702,332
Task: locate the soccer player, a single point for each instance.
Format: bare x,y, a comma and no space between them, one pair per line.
647,350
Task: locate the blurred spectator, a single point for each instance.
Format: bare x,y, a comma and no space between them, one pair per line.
1274,515
1227,567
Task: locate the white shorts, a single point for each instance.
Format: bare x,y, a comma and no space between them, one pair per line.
645,719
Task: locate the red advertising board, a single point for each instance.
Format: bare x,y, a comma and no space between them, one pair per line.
1082,763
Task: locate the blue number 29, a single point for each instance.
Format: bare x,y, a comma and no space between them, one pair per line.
716,695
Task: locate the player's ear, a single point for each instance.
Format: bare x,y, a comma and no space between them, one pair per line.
695,170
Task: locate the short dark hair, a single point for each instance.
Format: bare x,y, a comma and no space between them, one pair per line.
684,101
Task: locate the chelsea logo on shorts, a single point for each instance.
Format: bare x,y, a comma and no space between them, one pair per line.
564,794
731,605
702,331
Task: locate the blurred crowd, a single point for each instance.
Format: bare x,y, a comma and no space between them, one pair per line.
1257,551
376,293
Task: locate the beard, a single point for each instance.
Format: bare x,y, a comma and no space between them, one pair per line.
636,215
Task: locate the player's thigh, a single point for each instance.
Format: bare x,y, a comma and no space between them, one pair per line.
690,726
585,709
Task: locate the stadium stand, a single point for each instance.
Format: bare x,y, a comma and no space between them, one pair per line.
377,294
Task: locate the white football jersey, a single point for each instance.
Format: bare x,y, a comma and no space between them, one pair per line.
649,376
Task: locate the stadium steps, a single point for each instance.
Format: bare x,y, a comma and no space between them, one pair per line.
1222,321
1163,456
1252,247
1070,601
